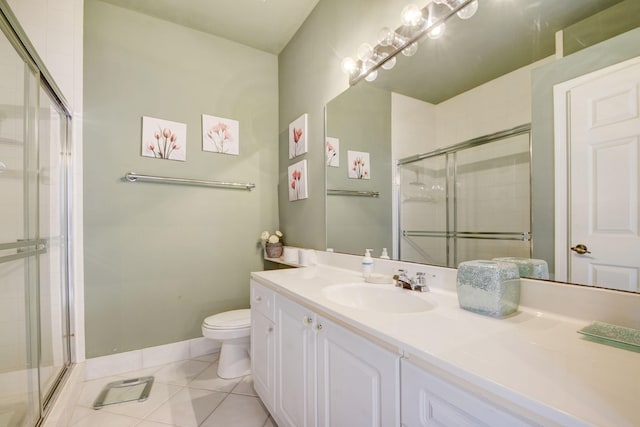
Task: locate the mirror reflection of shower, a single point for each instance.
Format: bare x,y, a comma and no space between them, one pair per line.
428,185
467,201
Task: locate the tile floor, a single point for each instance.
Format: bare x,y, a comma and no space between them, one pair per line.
188,393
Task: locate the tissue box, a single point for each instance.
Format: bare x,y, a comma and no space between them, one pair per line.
488,287
529,267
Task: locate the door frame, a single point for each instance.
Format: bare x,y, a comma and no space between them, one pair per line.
561,93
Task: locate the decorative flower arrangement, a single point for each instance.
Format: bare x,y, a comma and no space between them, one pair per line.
272,243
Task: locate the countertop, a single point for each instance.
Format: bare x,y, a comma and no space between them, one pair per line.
533,361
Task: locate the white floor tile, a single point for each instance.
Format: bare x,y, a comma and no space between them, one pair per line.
105,419
79,412
211,357
187,408
238,411
209,380
270,423
152,424
180,373
245,386
160,393
143,372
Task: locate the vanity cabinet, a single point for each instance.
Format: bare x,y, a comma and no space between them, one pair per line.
295,365
324,375
428,400
358,381
263,344
329,376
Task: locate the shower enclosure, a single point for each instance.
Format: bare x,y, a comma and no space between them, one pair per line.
34,238
468,201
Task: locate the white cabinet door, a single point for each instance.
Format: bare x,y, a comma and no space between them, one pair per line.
358,381
263,358
295,365
428,400
263,343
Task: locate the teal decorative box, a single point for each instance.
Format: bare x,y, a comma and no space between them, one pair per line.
488,287
529,267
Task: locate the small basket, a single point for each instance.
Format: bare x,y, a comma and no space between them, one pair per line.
274,250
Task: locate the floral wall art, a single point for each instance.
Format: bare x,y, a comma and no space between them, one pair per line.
298,137
332,152
220,135
164,139
359,165
298,181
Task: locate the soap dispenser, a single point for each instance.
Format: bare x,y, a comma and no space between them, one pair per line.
367,263
384,254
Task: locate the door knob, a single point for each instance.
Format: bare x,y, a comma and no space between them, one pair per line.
581,249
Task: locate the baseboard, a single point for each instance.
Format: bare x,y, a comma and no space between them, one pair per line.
115,364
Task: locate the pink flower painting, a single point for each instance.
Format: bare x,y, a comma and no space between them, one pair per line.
297,174
332,152
359,165
298,137
163,139
220,135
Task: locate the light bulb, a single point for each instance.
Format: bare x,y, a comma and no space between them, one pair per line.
469,10
365,51
386,37
348,65
437,32
372,76
389,64
411,15
410,50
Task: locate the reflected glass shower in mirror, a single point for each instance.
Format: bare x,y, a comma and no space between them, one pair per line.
444,209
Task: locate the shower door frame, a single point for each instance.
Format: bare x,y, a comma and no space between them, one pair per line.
16,36
450,182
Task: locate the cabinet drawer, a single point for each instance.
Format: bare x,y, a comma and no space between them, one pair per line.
262,300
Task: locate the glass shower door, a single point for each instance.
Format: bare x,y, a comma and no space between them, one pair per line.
423,211
34,325
19,390
53,274
492,200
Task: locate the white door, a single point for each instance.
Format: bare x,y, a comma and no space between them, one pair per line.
295,369
357,380
604,127
263,353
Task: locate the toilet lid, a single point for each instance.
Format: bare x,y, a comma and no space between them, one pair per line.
234,319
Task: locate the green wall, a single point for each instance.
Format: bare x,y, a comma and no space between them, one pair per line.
159,258
309,76
361,119
611,22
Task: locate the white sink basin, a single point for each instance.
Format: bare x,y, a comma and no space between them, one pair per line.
381,298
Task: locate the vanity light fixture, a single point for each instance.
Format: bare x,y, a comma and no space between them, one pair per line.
416,23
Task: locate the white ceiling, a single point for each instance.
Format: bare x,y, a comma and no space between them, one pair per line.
267,25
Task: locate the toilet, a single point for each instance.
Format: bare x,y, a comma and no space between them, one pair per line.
232,329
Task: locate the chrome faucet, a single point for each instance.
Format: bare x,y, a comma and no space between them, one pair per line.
419,283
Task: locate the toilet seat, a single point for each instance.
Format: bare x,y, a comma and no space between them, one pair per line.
229,320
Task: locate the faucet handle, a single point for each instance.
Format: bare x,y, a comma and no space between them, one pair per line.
421,282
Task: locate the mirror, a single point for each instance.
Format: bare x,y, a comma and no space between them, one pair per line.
465,103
